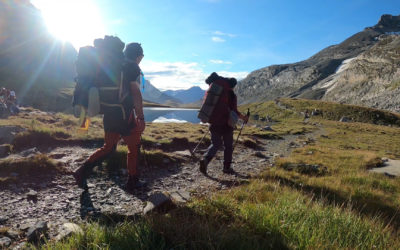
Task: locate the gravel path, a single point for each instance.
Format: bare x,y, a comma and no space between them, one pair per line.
56,199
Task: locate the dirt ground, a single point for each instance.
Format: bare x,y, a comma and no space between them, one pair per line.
56,199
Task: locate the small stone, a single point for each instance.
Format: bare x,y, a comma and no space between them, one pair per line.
345,119
36,232
109,191
21,245
260,155
158,202
29,152
5,242
31,195
389,175
267,128
25,226
13,234
183,153
3,220
180,196
67,230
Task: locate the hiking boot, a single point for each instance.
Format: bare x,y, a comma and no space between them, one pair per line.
80,177
228,169
133,182
203,165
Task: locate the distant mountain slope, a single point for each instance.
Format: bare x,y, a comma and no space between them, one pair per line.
370,79
305,79
32,62
191,95
152,94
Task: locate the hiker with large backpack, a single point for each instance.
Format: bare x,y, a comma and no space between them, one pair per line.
220,110
122,106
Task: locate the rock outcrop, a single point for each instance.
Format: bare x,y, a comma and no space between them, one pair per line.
309,78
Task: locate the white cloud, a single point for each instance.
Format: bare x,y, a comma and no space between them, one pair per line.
217,39
180,75
238,75
219,33
217,61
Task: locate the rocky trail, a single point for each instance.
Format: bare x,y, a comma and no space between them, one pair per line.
55,200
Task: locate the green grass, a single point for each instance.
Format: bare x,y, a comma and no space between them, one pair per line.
344,206
256,216
335,111
37,165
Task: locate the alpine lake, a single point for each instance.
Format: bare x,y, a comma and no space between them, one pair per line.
170,115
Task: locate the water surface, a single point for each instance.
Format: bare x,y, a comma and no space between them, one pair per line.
177,115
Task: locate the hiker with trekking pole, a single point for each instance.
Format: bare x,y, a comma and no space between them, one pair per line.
220,111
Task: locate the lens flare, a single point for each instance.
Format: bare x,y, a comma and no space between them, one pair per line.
76,21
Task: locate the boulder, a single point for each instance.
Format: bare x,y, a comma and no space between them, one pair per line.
31,195
37,232
159,202
345,119
180,196
13,234
30,152
8,133
5,150
67,230
5,242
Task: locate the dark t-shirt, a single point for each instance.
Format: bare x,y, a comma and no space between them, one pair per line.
120,119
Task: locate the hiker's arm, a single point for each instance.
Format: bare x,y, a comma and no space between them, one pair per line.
138,105
241,116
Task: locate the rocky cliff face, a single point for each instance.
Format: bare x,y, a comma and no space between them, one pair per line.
370,79
310,78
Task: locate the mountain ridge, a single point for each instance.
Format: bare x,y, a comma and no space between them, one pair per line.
190,95
298,79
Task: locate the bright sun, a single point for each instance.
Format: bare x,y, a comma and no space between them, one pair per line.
76,21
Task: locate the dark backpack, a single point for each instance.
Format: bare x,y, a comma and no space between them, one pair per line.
216,107
99,70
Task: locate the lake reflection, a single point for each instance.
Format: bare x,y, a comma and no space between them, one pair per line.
171,115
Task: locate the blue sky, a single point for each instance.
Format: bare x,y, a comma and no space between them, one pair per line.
185,40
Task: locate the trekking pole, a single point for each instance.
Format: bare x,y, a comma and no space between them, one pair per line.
198,144
241,128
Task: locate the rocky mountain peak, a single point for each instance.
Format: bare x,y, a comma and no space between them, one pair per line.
388,23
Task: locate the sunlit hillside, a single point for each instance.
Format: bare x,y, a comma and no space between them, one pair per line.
32,62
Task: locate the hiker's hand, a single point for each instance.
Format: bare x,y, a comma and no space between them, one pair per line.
140,124
245,118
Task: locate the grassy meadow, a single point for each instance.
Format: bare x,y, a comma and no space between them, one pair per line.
340,205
